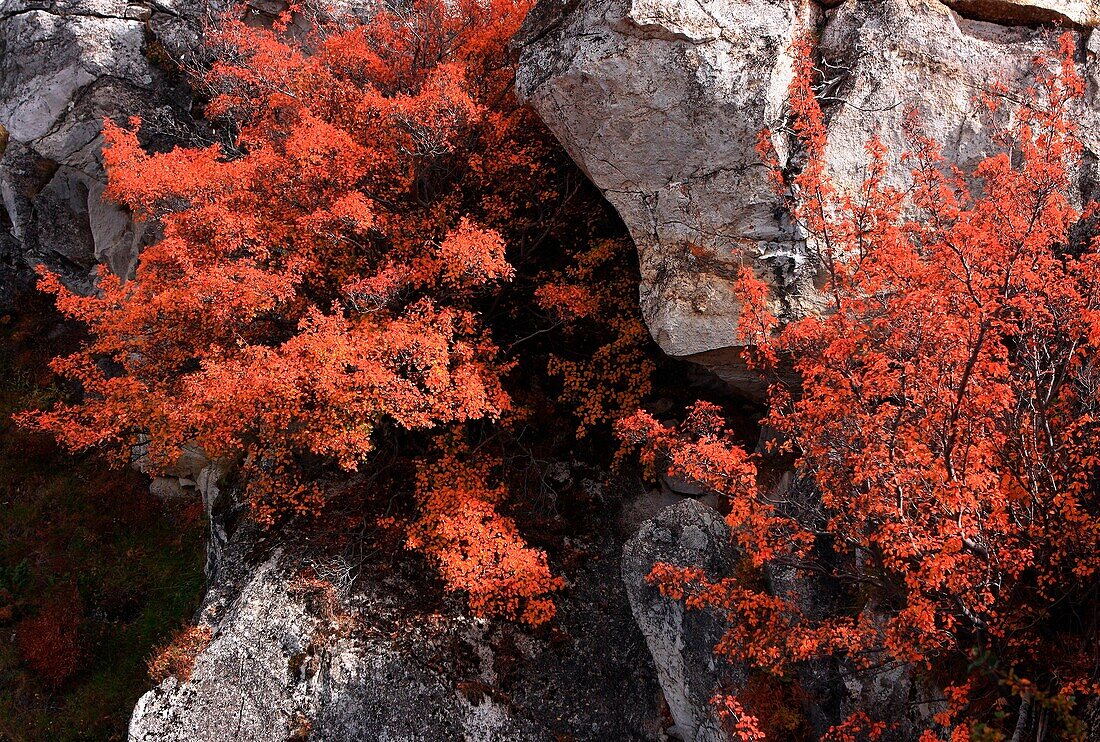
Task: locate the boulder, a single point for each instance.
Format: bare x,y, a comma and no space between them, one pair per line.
278,668
314,645
167,488
662,105
64,66
681,642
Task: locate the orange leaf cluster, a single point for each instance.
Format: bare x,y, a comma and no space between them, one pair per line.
314,280
946,410
319,280
609,370
743,725
476,549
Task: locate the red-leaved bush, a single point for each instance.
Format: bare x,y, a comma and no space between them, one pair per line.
946,411
49,641
319,279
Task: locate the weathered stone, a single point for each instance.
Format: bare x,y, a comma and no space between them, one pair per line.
167,488
682,486
277,665
688,534
1031,12
223,512
59,225
374,664
116,239
889,58
65,65
662,104
644,506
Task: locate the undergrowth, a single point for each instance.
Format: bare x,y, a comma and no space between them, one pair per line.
94,571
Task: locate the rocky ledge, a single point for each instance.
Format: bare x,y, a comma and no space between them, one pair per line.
355,646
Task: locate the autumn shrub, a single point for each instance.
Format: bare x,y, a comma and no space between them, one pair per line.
946,412
316,277
474,547
177,657
328,280
607,370
49,641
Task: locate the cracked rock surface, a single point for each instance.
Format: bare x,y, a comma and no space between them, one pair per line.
277,668
65,65
661,103
371,658
687,534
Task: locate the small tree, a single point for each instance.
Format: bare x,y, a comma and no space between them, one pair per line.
319,278
946,411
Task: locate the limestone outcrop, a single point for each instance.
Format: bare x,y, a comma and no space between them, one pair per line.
278,669
65,65
661,103
322,646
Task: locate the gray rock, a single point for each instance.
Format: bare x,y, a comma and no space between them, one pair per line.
900,55
278,666
167,488
682,486
688,534
371,661
65,65
644,506
1083,13
223,512
662,104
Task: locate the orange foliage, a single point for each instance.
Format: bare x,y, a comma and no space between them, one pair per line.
177,657
596,300
318,279
742,725
858,727
476,549
946,412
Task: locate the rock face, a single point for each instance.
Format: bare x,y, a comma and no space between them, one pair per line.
1031,12
661,103
64,66
687,534
292,659
278,669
